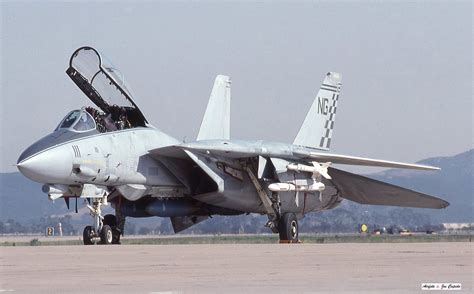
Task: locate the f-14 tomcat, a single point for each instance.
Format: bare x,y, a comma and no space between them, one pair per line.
111,154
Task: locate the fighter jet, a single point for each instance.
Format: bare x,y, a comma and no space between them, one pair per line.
111,154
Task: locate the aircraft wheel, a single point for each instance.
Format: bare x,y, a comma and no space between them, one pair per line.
288,227
110,220
116,236
87,235
106,235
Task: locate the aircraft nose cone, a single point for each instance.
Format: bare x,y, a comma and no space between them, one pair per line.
51,166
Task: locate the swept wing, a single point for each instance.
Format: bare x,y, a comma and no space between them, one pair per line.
241,149
353,160
364,190
354,187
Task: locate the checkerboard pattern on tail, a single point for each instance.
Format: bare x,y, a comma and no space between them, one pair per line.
329,125
317,128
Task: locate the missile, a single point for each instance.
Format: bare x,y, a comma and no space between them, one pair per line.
285,187
55,191
281,187
301,168
317,168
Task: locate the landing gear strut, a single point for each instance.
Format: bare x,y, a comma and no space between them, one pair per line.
288,228
285,224
104,228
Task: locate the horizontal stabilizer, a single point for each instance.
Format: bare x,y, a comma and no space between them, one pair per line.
364,190
216,121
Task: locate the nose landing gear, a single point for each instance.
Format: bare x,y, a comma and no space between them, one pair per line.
111,221
88,235
104,228
106,235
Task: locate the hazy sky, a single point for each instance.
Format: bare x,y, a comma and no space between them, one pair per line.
406,66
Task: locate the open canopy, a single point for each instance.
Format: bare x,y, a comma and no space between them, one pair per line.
104,85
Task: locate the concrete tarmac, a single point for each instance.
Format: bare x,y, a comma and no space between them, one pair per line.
239,268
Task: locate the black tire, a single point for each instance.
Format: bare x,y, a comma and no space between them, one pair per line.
106,235
116,236
87,235
288,227
110,220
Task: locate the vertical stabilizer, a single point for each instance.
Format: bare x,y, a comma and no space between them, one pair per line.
216,121
317,128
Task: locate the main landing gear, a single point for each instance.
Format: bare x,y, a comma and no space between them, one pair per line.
104,229
286,224
288,228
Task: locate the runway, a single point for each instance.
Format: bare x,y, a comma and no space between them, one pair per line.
235,268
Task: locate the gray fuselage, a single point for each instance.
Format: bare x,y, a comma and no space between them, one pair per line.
122,159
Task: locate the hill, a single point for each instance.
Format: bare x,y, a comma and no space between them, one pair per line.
454,183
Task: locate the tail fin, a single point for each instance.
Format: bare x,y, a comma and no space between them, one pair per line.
216,121
318,125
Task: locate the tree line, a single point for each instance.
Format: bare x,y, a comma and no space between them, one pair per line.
346,219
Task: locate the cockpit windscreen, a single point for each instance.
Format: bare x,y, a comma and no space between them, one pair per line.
85,122
78,120
69,120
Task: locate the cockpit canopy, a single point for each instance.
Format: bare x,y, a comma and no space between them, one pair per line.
104,85
78,121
